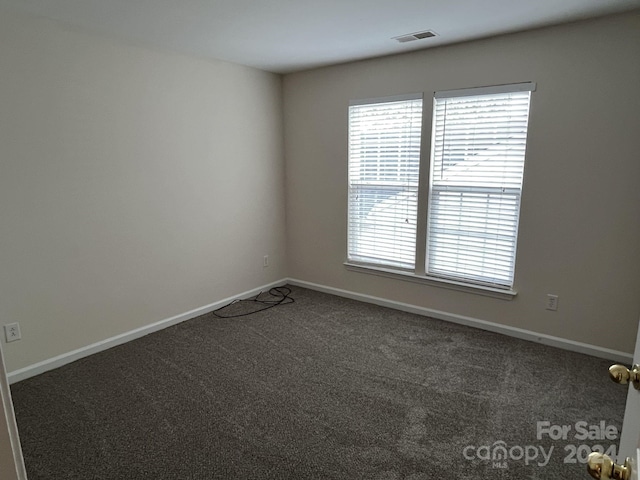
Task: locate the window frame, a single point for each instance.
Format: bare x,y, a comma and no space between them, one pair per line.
419,274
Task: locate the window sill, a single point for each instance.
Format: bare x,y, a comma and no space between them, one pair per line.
433,281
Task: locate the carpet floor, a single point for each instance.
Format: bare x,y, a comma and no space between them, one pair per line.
324,388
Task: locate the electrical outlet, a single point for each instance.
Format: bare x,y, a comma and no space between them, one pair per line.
265,261
12,332
552,302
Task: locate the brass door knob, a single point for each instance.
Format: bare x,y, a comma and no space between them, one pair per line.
602,467
621,374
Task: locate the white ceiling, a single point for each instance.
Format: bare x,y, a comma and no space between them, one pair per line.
290,35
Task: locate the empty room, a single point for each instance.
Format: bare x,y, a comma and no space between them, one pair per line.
333,240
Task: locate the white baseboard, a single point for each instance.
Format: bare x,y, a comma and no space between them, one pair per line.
529,335
60,360
65,358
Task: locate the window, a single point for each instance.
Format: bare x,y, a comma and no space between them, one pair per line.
384,160
472,193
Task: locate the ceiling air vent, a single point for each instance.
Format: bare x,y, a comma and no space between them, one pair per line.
415,36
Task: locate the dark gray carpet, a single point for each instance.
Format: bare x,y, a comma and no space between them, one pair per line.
325,388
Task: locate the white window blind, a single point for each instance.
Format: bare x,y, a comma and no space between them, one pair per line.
384,163
477,165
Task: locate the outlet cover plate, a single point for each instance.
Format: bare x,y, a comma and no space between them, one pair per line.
12,332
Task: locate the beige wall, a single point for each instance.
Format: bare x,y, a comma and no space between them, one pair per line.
135,185
580,220
123,171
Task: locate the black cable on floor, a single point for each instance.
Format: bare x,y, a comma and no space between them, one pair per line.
282,295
